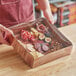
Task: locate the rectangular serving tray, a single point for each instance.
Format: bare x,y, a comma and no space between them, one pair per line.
31,58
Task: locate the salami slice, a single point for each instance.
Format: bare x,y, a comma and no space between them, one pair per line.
45,47
40,50
41,28
37,45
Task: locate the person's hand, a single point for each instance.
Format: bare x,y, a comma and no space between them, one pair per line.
45,7
48,16
2,40
7,34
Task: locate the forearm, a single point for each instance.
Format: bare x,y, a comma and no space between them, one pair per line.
44,5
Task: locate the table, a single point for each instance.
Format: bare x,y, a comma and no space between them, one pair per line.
11,64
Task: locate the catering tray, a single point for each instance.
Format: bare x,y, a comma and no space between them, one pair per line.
38,50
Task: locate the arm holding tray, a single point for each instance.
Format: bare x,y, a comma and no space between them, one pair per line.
6,35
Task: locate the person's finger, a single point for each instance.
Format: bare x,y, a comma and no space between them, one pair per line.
10,31
9,38
51,20
49,16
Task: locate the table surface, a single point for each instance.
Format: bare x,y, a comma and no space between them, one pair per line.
11,64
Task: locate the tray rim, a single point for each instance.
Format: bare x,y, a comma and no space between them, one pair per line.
63,38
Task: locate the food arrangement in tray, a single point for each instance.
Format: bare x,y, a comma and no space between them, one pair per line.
39,42
39,38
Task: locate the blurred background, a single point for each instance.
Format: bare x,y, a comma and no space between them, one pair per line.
64,11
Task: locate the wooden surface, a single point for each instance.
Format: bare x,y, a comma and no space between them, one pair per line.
11,63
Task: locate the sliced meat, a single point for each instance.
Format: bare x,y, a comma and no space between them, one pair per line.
45,47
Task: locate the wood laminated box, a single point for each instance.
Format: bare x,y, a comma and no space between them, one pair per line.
59,47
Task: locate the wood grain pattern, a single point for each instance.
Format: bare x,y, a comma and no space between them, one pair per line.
5,48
